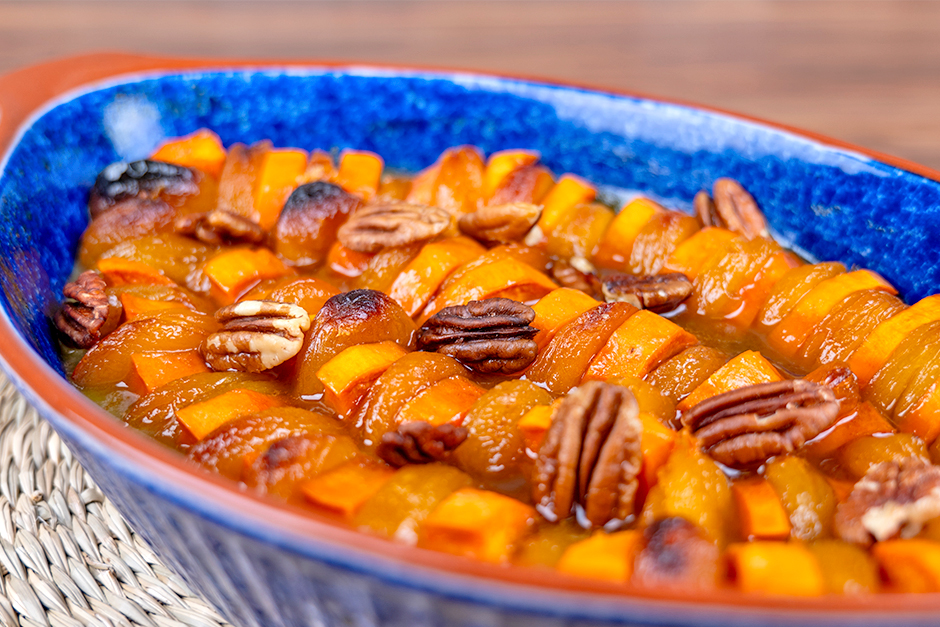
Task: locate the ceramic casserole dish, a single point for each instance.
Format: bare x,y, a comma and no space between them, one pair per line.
265,564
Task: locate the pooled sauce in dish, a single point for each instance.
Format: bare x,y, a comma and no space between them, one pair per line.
485,360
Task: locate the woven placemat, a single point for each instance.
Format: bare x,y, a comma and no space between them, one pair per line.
67,557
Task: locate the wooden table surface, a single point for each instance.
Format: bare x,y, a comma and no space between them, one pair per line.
867,72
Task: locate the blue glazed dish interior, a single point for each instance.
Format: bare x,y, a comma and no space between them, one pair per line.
828,203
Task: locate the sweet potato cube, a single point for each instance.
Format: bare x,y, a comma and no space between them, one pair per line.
657,442
607,556
501,164
570,190
153,369
136,307
761,515
235,270
775,568
119,271
416,284
279,175
641,343
748,368
846,568
910,565
690,256
343,490
874,352
793,330
348,376
201,419
534,424
202,150
617,243
448,400
360,172
556,309
477,523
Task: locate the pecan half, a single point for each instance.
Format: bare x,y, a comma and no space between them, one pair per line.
676,552
220,227
705,210
732,208
577,274
86,309
139,179
591,455
500,224
420,442
489,336
256,335
893,499
743,428
656,292
384,225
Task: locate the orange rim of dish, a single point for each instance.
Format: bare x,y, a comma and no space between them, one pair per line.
296,526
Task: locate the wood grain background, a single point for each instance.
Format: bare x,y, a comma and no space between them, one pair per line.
867,72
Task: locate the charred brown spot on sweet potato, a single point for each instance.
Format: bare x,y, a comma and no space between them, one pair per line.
676,554
144,179
306,227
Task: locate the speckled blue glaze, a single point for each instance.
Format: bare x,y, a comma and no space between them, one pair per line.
827,202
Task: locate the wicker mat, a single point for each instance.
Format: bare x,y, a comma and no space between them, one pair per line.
67,557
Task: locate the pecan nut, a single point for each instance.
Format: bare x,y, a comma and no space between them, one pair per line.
591,455
500,224
219,227
420,442
657,292
744,428
893,499
732,208
256,335
144,179
705,211
86,309
489,336
577,274
385,225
